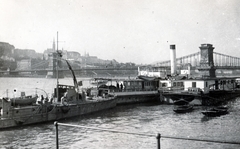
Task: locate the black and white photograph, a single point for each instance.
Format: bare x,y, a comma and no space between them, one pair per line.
119,74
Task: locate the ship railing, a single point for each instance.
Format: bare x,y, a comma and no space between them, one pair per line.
180,90
134,90
158,136
171,89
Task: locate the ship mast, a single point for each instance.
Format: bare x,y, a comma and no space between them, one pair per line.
57,69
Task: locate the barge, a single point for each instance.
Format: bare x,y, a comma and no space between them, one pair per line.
129,91
212,91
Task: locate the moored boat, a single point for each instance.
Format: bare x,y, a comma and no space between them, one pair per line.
183,108
67,101
218,111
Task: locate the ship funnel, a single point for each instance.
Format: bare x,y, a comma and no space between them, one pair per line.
173,59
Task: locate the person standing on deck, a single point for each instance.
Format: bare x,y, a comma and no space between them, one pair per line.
117,86
121,86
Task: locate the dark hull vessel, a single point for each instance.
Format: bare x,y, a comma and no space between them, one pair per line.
18,116
216,112
67,102
218,97
211,95
179,98
183,109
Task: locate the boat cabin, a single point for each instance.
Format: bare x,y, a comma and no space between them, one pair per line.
157,72
138,85
65,90
197,85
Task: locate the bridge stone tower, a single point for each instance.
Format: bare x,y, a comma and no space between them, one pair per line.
207,68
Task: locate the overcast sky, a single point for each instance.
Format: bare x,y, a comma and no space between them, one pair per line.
138,31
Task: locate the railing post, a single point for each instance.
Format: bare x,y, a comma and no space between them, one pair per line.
56,124
158,140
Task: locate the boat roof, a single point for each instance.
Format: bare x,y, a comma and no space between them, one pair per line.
208,79
65,86
176,78
102,79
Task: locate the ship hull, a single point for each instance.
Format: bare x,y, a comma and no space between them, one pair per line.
136,97
45,113
218,97
179,98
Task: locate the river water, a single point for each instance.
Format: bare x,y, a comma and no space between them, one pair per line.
145,119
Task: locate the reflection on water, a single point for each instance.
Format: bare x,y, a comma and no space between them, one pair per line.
206,118
140,118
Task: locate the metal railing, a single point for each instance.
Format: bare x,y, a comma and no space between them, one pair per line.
158,137
102,129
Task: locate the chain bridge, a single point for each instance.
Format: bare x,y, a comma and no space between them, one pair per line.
205,59
221,61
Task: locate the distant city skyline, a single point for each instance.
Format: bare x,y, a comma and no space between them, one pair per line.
127,31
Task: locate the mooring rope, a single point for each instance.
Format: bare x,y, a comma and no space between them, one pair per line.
150,135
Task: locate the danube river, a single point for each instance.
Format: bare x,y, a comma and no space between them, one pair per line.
144,119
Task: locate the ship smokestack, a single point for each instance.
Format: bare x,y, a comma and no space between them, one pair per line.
173,59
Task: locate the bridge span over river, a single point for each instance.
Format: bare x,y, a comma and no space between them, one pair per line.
205,59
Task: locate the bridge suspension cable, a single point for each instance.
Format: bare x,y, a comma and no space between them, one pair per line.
220,60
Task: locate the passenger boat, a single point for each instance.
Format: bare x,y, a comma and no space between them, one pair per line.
218,111
183,108
67,101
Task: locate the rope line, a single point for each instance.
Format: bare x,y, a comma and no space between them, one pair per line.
149,135
109,130
201,140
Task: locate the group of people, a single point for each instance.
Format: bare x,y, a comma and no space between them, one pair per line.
42,100
119,87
